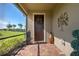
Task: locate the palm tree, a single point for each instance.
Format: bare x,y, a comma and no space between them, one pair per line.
20,25
9,26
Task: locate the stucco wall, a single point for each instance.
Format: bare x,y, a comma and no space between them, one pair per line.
30,25
73,24
47,23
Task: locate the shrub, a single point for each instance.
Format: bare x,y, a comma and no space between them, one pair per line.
75,43
75,53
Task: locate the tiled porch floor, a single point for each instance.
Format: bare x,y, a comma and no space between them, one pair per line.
39,50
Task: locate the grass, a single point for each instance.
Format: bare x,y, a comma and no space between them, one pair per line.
8,44
8,33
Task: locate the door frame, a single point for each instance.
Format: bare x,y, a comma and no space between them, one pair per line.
34,29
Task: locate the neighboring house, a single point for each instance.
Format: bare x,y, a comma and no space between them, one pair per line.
43,19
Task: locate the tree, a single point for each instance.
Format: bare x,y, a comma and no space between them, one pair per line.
9,26
20,25
14,26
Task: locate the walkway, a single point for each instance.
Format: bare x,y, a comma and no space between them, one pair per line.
39,50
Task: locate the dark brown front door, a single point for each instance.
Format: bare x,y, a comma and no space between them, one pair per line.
39,27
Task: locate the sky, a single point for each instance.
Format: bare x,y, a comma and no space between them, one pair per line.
10,14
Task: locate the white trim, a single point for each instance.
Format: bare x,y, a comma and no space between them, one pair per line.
44,24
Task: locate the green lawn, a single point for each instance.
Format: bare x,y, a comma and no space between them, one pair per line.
8,33
7,44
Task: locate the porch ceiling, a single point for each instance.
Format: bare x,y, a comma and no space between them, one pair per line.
38,6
